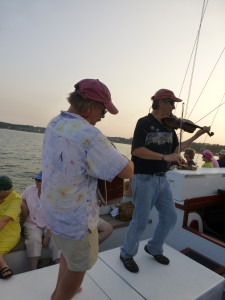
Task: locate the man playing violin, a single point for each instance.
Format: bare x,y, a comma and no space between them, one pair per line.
154,146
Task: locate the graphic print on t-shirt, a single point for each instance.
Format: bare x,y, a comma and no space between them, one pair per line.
158,138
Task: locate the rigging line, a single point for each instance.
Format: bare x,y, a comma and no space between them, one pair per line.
212,110
185,75
214,116
189,62
206,82
181,131
195,55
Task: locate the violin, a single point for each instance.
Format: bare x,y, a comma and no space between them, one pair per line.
174,123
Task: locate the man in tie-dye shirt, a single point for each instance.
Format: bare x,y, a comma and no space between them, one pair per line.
75,155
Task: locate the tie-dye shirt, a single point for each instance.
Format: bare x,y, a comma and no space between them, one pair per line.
75,155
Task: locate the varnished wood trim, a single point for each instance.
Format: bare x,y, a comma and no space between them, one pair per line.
192,205
180,206
220,270
205,236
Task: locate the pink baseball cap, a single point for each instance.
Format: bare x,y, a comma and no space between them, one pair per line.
208,154
94,89
165,94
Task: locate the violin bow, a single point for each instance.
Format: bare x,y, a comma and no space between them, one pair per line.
181,129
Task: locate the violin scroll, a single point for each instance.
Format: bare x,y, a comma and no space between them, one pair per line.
174,123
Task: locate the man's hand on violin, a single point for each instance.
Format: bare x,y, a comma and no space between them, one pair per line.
173,157
204,129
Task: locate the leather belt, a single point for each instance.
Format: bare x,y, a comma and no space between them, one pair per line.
161,174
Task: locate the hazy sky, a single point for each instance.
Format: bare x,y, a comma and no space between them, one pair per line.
134,46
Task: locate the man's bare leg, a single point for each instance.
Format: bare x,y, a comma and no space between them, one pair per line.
33,261
104,231
60,272
68,282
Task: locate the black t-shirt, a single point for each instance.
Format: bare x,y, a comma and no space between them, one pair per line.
153,135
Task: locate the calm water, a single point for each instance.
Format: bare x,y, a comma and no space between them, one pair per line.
20,156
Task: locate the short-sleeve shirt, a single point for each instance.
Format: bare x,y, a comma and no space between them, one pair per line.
36,217
207,164
153,135
75,155
10,234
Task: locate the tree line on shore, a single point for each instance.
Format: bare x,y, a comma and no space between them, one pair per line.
198,147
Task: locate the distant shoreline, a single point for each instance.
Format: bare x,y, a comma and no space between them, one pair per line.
27,128
198,147
36,129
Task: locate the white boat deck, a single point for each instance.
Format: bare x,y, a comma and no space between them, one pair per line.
182,279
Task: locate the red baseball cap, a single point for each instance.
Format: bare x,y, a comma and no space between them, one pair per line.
94,89
165,94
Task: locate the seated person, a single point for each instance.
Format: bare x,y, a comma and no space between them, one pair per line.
37,234
104,230
221,160
209,160
189,155
10,203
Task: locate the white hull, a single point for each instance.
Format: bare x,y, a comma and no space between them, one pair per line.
186,185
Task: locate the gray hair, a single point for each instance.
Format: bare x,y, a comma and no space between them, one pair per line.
79,103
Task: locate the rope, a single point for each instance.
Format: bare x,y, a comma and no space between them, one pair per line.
212,110
204,6
193,49
217,109
207,81
181,131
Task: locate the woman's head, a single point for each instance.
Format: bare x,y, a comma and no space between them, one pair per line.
207,155
38,180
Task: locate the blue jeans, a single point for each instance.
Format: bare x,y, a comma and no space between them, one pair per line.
149,191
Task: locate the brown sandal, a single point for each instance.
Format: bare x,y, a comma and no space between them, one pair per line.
5,270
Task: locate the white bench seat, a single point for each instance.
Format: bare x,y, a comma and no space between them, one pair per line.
182,279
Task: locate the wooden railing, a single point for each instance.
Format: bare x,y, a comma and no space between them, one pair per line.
193,205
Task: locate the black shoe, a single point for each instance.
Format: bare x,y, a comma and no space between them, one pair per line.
130,264
159,257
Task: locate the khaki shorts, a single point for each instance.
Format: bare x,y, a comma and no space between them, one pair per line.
82,254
